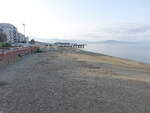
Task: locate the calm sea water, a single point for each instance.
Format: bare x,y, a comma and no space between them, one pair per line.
138,52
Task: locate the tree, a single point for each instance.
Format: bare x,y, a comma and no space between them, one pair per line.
3,37
6,45
32,41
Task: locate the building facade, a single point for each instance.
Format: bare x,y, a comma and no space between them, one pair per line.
21,38
13,36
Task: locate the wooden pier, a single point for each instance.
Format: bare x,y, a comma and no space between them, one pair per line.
78,46
70,45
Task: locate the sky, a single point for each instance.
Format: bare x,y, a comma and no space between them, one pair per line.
90,20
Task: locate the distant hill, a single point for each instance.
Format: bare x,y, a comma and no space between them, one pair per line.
41,43
58,40
120,42
115,42
46,40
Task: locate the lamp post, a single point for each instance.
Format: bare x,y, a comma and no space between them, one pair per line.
24,29
24,33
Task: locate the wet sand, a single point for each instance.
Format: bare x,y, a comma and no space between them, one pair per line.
74,81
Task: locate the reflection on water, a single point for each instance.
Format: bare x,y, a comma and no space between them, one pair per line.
138,52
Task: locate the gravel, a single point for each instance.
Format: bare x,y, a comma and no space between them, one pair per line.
51,82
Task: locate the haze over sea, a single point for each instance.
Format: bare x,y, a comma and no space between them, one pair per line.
133,51
138,51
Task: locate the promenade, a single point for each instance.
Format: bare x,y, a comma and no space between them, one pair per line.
74,81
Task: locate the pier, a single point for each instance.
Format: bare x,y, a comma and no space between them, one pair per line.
69,45
78,46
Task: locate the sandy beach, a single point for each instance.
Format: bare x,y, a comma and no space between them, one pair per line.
74,81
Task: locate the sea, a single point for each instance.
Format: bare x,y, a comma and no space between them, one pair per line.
138,52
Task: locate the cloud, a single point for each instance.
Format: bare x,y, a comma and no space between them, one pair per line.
130,29
138,30
120,32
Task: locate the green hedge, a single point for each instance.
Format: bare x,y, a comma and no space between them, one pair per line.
1,44
4,44
38,50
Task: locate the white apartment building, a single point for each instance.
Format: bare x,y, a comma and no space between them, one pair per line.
10,31
13,36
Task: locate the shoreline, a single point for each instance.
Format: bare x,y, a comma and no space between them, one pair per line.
129,59
136,53
100,54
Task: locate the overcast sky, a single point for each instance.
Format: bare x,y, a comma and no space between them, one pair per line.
92,20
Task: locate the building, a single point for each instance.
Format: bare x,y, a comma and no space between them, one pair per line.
13,36
1,30
10,31
21,38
